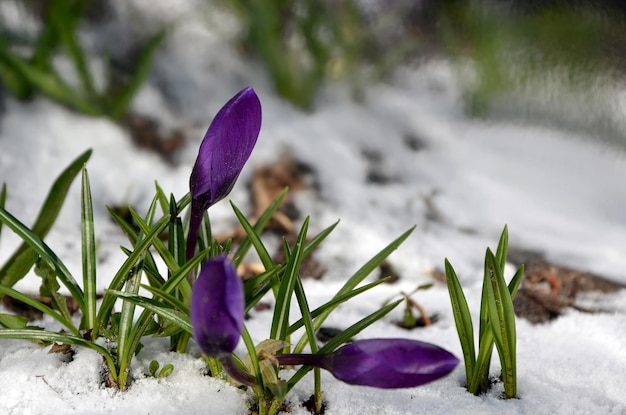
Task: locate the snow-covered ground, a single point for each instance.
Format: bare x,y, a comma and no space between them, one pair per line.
560,193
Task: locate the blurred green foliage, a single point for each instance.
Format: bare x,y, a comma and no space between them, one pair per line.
513,47
27,68
302,44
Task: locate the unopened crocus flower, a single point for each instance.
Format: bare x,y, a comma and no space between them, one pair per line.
381,363
217,307
226,147
217,313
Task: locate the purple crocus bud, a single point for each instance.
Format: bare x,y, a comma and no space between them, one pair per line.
382,363
226,147
217,308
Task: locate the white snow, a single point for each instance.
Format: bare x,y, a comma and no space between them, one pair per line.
560,193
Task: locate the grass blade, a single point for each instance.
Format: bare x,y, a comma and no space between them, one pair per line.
18,265
42,250
344,336
337,301
362,273
254,238
3,200
168,299
502,318
38,305
122,274
175,316
88,254
124,350
502,250
462,320
280,321
260,224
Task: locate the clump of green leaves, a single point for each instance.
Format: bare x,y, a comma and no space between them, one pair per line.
271,390
27,67
497,322
119,328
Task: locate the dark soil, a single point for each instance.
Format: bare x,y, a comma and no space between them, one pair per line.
547,288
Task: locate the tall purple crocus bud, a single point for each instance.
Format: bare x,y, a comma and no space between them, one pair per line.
217,313
226,147
381,363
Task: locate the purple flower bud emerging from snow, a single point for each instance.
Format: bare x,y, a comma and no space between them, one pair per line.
382,363
217,308
226,147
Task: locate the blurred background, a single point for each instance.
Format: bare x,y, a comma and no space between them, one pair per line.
556,62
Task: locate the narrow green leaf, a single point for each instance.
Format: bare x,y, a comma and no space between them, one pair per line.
150,266
262,285
168,298
318,239
280,321
306,316
332,304
12,321
254,358
260,224
50,288
480,378
88,254
38,305
145,319
462,320
163,201
516,281
168,258
254,238
24,257
124,225
502,250
42,250
502,318
184,202
170,261
343,337
122,274
363,272
180,276
124,343
176,239
3,200
152,209
180,319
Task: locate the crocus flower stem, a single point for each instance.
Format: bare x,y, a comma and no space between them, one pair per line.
195,221
316,360
235,372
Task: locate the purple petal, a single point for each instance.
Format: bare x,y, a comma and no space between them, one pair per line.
217,307
226,147
390,363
